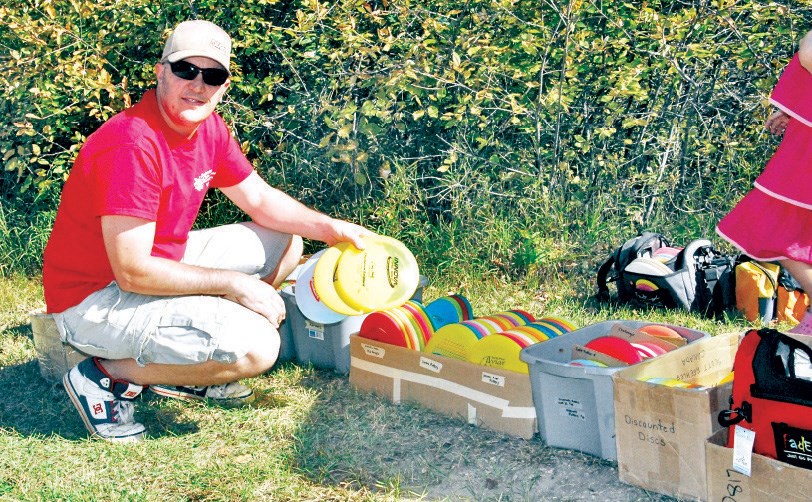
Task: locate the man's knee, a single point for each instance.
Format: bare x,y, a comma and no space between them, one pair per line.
263,349
266,352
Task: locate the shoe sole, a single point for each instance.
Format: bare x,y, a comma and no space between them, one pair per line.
228,401
74,397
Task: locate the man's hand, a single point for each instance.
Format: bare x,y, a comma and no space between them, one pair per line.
344,231
258,296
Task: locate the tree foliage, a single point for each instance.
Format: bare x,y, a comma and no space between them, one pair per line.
490,132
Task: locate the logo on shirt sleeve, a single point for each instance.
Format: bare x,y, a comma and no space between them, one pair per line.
202,181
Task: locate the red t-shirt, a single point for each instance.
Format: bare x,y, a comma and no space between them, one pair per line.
134,165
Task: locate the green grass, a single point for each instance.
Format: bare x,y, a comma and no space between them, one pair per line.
309,436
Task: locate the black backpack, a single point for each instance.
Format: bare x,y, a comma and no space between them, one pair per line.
697,278
612,269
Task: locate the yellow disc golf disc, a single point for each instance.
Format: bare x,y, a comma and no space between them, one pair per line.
324,280
381,276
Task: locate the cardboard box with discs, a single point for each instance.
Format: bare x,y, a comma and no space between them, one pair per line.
661,427
492,398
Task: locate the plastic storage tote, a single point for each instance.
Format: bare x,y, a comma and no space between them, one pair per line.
575,404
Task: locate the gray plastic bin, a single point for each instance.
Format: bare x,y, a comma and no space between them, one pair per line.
323,345
287,351
575,404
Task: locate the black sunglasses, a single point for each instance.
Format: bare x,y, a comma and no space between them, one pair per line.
188,71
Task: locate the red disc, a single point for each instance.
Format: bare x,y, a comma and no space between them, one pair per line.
384,328
615,347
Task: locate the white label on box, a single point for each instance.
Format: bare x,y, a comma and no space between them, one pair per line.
471,414
431,364
374,351
743,449
314,330
571,408
492,379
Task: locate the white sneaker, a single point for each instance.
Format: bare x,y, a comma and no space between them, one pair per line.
104,403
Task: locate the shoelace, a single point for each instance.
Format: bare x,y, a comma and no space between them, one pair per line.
123,412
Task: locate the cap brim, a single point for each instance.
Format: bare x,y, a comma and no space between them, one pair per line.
177,56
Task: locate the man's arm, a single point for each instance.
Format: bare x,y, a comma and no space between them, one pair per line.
805,52
128,241
276,210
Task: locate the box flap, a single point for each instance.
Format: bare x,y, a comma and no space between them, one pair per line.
705,361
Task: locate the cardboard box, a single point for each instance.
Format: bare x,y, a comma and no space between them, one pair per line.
661,430
769,479
575,404
488,397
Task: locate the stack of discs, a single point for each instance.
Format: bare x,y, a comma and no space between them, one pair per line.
502,349
405,326
349,281
449,309
308,301
666,254
495,340
650,267
631,352
455,338
661,331
550,327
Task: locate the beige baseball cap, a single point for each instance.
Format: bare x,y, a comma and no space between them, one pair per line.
198,38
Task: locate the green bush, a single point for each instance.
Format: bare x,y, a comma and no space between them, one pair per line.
489,135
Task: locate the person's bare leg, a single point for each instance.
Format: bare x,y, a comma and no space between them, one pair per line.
202,374
802,272
290,260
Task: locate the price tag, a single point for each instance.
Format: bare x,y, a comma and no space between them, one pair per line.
743,449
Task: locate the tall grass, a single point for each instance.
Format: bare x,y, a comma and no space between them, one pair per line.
24,231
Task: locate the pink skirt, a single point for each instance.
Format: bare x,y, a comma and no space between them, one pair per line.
769,229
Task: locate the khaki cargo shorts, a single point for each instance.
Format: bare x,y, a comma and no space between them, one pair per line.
115,324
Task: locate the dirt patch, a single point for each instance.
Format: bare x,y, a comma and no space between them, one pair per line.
361,440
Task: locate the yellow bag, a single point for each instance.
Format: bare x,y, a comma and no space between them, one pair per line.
756,285
791,305
766,291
